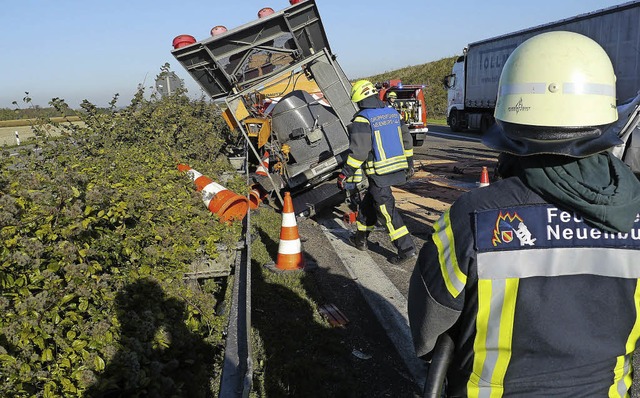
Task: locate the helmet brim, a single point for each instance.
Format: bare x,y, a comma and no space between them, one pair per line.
525,140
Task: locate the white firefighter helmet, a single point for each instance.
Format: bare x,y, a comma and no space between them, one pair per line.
556,94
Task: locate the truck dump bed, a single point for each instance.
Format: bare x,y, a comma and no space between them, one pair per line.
308,140
248,54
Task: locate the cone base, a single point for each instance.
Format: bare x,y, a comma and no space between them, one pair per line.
271,266
290,261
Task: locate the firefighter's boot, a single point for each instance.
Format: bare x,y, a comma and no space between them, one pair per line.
359,240
402,258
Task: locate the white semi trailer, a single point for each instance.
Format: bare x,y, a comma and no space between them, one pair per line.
473,84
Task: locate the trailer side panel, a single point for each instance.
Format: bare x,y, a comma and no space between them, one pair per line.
616,29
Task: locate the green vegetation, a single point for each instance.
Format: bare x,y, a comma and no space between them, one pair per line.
442,121
30,122
34,111
97,231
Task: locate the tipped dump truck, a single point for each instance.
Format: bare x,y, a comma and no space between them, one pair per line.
283,89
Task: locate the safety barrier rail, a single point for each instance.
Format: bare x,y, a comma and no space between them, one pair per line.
237,369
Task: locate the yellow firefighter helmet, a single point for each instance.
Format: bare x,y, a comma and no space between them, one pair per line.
361,90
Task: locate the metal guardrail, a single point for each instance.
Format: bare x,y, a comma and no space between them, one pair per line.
237,368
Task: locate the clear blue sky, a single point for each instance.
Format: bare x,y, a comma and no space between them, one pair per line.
91,50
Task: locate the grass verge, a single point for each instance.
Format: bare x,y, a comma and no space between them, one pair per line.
438,122
296,352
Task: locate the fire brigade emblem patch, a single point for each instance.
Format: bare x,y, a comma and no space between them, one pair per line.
507,227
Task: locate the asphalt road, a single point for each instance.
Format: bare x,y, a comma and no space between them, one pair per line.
446,167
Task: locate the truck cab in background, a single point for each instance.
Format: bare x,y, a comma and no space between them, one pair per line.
472,86
410,104
454,84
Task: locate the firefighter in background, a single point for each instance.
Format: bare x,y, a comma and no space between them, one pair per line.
535,277
381,145
391,99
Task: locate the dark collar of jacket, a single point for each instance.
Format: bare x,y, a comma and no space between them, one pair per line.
371,102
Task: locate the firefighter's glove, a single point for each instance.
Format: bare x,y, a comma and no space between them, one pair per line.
341,181
409,172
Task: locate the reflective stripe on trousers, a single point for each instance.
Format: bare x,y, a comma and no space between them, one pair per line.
378,202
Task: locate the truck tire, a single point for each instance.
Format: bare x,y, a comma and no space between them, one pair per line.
417,142
455,122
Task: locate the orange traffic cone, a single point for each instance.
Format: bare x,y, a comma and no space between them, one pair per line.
290,257
263,168
256,196
484,177
219,200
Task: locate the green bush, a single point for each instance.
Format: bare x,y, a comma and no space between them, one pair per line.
97,229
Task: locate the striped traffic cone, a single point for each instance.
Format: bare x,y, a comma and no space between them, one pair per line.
290,257
256,196
219,200
263,168
484,177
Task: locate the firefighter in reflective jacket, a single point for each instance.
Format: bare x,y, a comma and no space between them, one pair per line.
536,277
381,145
391,99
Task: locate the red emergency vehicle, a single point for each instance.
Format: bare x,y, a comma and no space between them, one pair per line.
409,102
